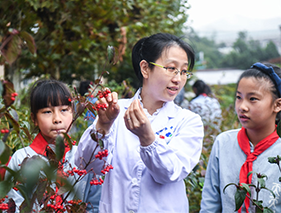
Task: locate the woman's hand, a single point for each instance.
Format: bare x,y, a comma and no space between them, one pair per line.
107,115
137,122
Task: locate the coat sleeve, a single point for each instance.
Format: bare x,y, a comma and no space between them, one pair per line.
87,149
211,195
172,161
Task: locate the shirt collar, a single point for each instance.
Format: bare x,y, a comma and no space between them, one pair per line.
167,109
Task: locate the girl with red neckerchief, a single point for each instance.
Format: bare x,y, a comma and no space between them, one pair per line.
235,153
52,113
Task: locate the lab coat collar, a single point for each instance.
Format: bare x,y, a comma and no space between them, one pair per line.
167,112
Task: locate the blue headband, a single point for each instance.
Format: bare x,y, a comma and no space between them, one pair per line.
271,73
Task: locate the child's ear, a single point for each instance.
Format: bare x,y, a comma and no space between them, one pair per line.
33,119
144,67
277,106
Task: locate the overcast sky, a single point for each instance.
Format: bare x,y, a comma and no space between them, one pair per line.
204,12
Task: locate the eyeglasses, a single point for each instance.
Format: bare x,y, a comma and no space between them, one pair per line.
173,71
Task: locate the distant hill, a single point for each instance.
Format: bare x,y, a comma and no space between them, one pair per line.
226,29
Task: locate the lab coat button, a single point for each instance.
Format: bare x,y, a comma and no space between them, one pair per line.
134,181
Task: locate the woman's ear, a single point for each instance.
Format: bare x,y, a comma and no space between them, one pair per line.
277,105
144,67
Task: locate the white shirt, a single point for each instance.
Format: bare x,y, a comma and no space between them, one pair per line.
147,179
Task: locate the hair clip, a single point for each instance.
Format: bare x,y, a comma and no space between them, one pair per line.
271,73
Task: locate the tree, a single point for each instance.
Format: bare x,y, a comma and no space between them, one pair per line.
212,56
72,36
248,51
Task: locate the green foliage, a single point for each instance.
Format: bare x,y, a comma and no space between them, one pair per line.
245,52
72,36
248,51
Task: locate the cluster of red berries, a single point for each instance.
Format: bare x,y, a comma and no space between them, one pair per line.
106,169
3,206
104,93
13,95
102,154
77,171
99,106
57,206
4,131
96,181
75,202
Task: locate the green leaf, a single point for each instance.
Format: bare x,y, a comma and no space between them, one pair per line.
5,187
26,131
267,210
261,182
68,140
246,187
229,185
29,41
1,88
240,196
60,147
15,124
270,191
12,48
5,152
101,143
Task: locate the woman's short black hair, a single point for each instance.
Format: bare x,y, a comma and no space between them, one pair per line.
151,48
48,92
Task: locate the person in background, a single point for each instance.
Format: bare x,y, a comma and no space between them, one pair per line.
152,143
52,113
205,104
237,152
180,97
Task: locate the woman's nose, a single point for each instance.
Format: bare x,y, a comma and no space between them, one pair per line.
177,77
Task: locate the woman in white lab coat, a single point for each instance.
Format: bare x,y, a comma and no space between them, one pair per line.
152,143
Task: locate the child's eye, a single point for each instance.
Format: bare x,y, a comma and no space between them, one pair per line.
65,109
238,97
253,99
47,111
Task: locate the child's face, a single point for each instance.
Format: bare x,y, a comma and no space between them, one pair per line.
254,105
53,120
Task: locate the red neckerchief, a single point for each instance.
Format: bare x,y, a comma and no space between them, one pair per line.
247,167
39,145
204,94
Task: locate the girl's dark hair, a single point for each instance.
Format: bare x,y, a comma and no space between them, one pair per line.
48,92
257,74
200,87
151,48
